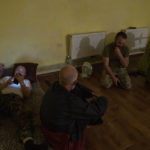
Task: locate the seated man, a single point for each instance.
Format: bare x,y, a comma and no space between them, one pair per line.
65,113
116,60
13,91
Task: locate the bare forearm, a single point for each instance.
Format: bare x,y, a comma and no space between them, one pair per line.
25,90
122,59
109,71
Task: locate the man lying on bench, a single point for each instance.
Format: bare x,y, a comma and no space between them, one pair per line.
13,91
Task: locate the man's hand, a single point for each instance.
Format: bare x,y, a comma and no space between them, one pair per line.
4,85
25,90
116,81
124,60
19,77
117,50
9,81
96,94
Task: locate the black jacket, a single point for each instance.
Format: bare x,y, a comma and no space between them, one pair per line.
63,111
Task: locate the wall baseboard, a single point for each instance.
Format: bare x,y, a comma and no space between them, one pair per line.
76,63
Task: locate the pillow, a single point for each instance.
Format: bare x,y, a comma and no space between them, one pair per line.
1,69
31,70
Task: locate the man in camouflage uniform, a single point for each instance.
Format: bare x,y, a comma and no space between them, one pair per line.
116,60
13,91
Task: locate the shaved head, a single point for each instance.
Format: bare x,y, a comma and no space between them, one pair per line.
68,75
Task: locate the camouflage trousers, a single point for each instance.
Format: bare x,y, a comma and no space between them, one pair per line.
121,74
12,105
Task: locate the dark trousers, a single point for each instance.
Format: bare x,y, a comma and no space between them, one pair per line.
12,105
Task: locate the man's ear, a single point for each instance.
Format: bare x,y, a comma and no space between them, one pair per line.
75,82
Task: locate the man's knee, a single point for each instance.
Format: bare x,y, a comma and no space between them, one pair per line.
106,82
124,78
104,102
106,85
126,83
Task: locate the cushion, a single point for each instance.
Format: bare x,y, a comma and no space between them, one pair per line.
1,69
31,70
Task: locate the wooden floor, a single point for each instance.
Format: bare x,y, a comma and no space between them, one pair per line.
126,123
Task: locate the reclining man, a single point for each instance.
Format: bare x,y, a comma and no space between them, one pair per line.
65,113
13,91
116,60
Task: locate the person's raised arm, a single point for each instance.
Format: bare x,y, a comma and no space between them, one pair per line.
123,60
5,83
26,91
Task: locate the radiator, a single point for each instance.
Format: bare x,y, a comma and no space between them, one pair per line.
86,44
137,40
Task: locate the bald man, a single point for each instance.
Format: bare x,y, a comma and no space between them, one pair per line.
65,113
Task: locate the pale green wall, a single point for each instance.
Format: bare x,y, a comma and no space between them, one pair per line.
35,30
